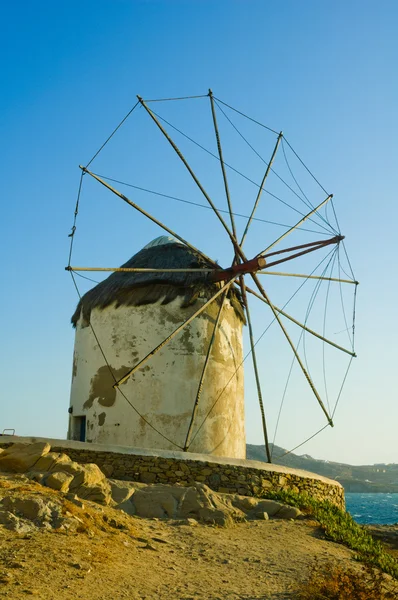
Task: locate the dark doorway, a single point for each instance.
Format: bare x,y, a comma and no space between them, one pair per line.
79,428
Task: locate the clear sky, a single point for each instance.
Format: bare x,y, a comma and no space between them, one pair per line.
324,73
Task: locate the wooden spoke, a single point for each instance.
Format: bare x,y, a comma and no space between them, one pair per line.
268,169
280,274
173,334
220,154
311,249
285,333
203,374
139,270
196,180
149,216
293,320
280,238
255,367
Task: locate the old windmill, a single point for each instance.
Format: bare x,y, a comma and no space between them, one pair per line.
159,354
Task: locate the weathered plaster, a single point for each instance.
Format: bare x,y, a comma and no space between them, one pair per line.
163,391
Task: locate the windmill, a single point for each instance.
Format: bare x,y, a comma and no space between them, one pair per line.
241,280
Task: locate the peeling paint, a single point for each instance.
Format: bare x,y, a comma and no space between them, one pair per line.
102,386
101,418
74,368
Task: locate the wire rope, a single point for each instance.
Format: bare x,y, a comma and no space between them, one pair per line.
236,170
72,233
112,134
305,166
343,309
324,334
255,344
305,442
302,334
84,276
324,219
246,116
179,98
206,206
305,338
348,260
342,386
308,203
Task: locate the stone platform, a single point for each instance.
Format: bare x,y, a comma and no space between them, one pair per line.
225,475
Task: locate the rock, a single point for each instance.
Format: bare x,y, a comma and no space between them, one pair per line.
244,503
107,469
191,502
59,481
155,503
148,477
87,475
192,522
271,507
121,490
288,512
13,523
37,477
20,458
262,515
150,547
96,493
127,507
46,463
215,517
73,498
30,508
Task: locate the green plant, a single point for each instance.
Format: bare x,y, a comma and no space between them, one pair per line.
340,527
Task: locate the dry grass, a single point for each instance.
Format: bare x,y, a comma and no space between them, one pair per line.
335,583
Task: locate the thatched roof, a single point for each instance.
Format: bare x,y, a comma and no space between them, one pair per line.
137,289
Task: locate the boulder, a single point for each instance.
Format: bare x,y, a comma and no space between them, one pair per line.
84,475
274,509
59,481
271,507
31,508
46,463
13,523
155,503
127,507
288,512
121,490
100,493
20,458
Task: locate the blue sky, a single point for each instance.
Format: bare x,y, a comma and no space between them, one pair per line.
324,73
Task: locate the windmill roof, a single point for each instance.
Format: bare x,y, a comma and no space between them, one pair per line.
137,289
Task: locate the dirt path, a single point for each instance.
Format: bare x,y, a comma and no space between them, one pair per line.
165,560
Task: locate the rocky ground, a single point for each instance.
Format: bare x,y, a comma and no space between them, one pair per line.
175,543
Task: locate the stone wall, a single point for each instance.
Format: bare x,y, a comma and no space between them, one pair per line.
249,478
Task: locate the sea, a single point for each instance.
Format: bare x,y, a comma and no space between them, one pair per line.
381,509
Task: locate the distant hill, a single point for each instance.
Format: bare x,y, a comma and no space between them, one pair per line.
364,478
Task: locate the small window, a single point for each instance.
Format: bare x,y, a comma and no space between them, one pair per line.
79,428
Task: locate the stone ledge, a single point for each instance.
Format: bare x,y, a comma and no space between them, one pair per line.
245,477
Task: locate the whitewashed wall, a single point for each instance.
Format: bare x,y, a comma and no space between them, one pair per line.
164,389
